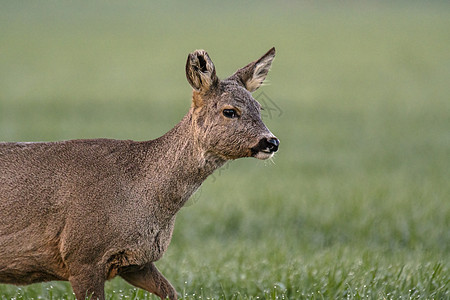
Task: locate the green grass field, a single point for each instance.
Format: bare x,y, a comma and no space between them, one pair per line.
356,204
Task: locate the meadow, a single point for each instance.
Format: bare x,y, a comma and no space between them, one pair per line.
356,204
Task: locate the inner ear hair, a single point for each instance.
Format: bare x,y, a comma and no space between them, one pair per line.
253,75
200,71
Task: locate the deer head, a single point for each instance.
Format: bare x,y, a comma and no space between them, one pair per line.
226,118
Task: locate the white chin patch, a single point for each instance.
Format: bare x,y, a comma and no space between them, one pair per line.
264,155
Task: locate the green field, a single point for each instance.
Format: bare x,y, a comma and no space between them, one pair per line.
356,204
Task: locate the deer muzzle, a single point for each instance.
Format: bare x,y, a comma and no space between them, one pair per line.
265,148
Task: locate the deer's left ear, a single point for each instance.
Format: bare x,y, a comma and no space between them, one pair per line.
200,71
253,75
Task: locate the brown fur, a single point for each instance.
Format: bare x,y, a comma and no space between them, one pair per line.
89,210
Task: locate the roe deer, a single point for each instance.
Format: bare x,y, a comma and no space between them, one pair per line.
89,210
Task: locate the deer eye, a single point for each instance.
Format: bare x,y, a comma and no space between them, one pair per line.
230,113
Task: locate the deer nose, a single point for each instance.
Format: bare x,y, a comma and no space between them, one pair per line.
273,144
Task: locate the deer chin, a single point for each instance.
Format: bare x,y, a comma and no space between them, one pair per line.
263,155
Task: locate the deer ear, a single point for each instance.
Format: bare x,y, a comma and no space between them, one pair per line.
200,71
253,75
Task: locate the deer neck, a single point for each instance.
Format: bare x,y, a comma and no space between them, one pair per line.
177,165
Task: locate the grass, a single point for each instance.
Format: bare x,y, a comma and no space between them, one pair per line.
356,203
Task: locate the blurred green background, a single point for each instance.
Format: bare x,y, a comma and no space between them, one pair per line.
355,205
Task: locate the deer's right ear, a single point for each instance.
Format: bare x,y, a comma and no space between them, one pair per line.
200,71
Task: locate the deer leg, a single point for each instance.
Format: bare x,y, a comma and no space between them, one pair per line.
88,285
150,279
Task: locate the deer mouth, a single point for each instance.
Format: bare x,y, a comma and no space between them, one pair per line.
265,148
263,155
